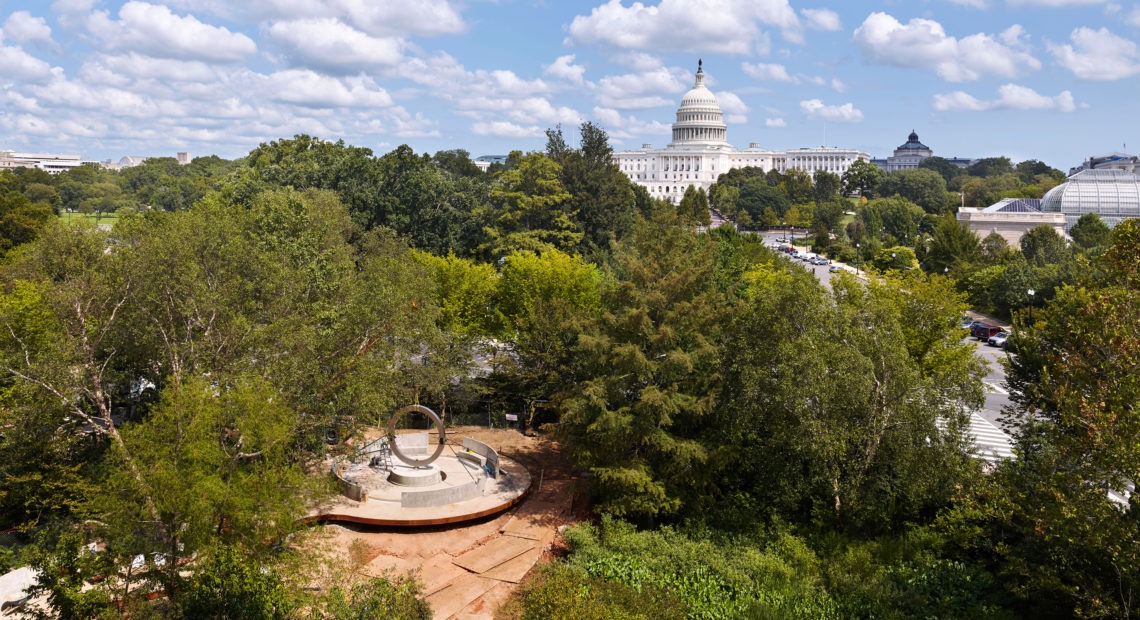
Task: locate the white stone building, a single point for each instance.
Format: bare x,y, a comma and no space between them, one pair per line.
1011,218
53,164
700,152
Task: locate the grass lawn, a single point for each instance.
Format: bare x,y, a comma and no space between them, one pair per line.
107,219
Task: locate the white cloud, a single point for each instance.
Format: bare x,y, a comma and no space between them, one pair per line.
923,44
156,31
816,109
623,127
424,17
308,88
1133,17
16,64
21,26
718,26
838,86
767,72
1053,3
523,111
974,4
638,61
821,19
734,108
331,45
774,122
1098,55
71,13
1010,97
641,90
564,68
120,70
503,129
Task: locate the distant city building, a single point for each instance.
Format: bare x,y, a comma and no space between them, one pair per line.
130,161
1111,193
52,164
700,152
1011,218
483,162
183,158
910,154
1112,161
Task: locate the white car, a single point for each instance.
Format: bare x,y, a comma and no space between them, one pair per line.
998,339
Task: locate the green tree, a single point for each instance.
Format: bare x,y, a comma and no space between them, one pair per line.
464,291
1090,233
861,178
694,206
224,584
897,258
633,411
457,162
942,166
1044,246
897,217
990,166
601,194
797,186
825,186
926,188
841,427
531,208
1054,525
954,247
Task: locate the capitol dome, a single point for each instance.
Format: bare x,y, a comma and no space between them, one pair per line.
700,121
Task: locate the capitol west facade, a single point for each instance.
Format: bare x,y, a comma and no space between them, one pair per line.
700,152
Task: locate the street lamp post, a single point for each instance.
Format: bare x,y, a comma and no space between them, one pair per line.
858,259
1031,292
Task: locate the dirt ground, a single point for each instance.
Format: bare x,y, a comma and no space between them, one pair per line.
459,566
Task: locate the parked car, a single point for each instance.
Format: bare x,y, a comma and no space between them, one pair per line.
998,339
985,331
833,269
976,329
967,322
819,260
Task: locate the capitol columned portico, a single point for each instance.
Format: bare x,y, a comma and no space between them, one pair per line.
700,152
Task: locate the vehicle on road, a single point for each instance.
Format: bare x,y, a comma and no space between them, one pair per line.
833,269
983,331
967,322
819,260
998,339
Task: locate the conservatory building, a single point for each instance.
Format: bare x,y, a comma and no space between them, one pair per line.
1114,195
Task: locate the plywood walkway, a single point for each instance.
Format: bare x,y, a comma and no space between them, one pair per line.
470,583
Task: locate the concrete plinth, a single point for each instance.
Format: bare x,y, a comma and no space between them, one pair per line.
404,476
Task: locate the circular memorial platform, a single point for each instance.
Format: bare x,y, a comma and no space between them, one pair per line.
466,480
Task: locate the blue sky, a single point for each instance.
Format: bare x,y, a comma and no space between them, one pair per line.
1056,80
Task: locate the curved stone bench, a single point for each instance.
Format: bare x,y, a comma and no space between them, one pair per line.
443,497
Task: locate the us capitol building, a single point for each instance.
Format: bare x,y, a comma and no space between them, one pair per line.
700,152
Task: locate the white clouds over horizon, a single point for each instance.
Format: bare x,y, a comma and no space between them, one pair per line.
924,44
723,26
1010,97
816,109
1098,55
156,31
332,45
821,19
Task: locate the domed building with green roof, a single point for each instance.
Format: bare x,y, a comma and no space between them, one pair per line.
910,154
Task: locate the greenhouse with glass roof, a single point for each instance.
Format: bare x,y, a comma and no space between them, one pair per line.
1114,195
